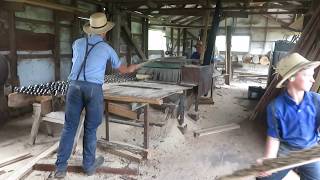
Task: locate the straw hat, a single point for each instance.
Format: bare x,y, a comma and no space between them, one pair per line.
98,24
291,64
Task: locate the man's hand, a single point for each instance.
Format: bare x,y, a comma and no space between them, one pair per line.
132,68
260,162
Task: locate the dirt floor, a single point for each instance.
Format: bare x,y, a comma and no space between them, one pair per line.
173,155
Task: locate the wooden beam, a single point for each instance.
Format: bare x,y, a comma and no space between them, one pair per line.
12,6
145,28
56,50
184,41
13,49
115,32
214,130
171,40
122,110
41,22
205,34
127,32
76,167
178,42
228,55
202,27
212,34
201,11
14,159
50,5
129,50
22,171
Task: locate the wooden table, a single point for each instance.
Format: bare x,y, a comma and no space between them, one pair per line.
146,93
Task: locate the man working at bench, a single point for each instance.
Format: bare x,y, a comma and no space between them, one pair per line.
292,117
90,56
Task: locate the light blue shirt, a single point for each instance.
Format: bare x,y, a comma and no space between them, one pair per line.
96,61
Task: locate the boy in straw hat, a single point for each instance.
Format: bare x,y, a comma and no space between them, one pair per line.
292,117
90,57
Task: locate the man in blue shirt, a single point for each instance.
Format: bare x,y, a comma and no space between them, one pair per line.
90,57
199,51
292,117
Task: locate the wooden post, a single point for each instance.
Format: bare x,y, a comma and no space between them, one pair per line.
129,51
37,117
184,41
191,46
56,50
116,30
171,38
213,33
178,42
107,121
228,55
145,28
146,127
13,49
205,34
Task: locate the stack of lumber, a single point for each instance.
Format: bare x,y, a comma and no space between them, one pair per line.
309,47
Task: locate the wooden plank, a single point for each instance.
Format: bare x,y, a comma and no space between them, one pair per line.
20,100
214,130
14,159
76,167
295,159
123,146
132,99
125,154
122,110
22,171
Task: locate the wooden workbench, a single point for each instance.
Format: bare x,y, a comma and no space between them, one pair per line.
147,93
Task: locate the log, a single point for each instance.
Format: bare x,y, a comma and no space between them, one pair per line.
22,171
14,159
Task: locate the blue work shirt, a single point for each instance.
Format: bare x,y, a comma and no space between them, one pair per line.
294,124
195,55
96,61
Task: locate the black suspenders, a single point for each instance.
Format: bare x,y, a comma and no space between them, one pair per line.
83,65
